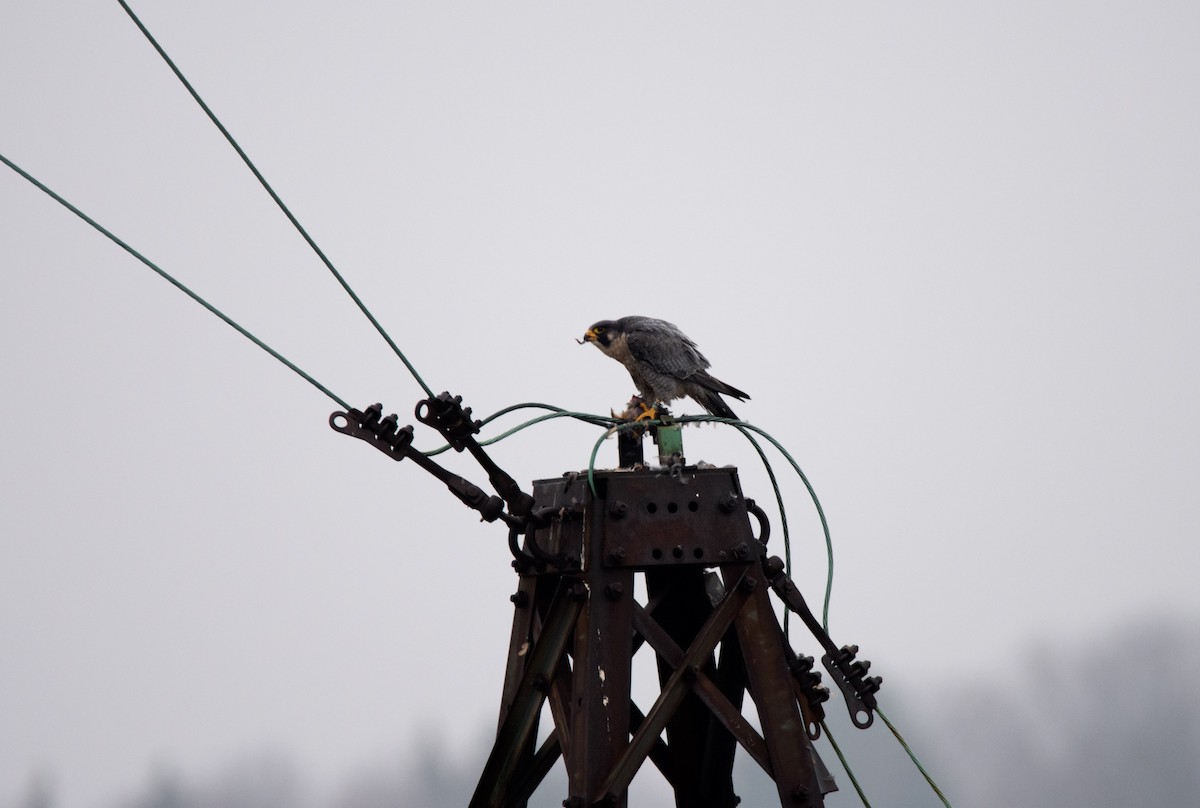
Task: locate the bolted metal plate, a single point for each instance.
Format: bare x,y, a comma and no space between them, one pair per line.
568,499
651,518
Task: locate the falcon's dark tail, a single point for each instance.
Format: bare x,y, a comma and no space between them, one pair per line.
709,397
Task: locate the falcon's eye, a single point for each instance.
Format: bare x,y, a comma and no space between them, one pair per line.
600,329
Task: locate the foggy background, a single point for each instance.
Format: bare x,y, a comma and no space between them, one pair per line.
950,250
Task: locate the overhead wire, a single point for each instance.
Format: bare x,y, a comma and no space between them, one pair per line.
912,756
278,201
170,278
837,750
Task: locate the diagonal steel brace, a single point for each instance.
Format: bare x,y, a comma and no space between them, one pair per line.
677,686
716,701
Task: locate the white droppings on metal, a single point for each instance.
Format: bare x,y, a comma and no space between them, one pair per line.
604,701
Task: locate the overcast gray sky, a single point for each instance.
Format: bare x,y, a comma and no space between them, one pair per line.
950,249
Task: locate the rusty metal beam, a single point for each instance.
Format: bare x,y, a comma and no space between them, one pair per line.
520,725
524,614
601,682
778,711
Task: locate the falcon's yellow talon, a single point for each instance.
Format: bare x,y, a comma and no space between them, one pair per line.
648,414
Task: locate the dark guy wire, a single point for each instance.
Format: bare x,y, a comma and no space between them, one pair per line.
845,765
912,756
172,280
266,186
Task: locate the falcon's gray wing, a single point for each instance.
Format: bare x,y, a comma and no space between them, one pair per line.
663,347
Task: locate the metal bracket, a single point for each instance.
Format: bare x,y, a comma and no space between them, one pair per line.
366,425
446,414
858,689
848,674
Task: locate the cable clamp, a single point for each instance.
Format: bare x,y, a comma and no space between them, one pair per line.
857,688
368,426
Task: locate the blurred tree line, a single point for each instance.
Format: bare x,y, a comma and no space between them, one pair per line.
1114,724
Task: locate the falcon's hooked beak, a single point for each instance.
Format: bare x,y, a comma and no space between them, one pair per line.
590,336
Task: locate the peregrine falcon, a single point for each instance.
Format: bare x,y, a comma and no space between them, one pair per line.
664,363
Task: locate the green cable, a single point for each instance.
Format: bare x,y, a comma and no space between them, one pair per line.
557,413
548,416
263,181
811,492
913,757
783,522
598,420
742,426
688,419
615,428
515,407
845,765
173,281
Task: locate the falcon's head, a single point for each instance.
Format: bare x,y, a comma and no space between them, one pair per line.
602,333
